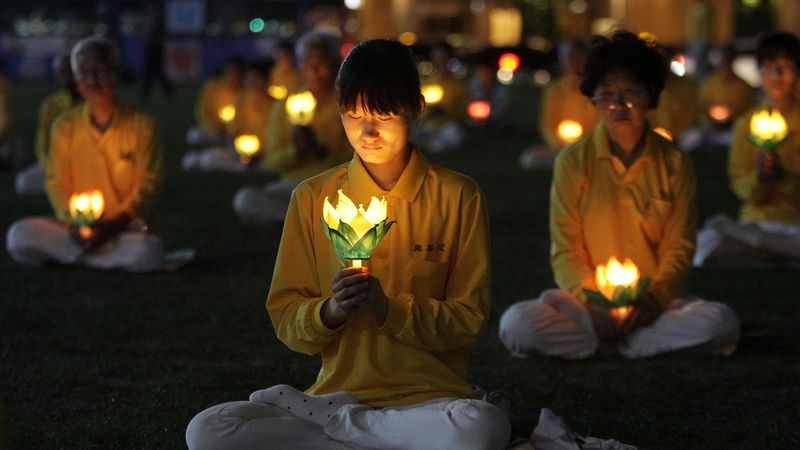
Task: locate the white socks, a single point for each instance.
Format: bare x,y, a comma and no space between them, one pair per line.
315,408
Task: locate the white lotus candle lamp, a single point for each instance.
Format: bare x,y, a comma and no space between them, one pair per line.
767,129
620,285
85,209
569,131
354,231
300,108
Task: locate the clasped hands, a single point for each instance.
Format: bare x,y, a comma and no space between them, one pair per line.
101,232
353,288
609,329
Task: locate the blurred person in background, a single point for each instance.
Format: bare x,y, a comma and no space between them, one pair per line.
562,104
484,88
31,180
13,154
100,145
723,98
623,192
253,109
284,75
767,182
212,110
441,126
297,152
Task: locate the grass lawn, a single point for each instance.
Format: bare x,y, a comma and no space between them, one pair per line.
92,359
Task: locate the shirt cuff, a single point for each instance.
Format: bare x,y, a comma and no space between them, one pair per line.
319,327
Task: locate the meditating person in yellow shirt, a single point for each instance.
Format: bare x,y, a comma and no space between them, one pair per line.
284,77
394,337
215,105
677,105
767,182
623,191
31,180
253,110
565,114
297,152
101,145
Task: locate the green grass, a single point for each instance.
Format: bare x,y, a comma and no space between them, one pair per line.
92,359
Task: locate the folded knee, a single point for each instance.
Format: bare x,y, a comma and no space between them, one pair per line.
478,425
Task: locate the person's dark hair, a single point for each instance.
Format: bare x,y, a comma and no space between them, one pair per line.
380,75
777,45
625,52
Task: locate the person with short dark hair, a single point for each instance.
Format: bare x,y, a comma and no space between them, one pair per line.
767,233
393,338
622,191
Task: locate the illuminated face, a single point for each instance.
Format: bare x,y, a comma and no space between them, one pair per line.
621,102
95,78
377,138
779,76
317,72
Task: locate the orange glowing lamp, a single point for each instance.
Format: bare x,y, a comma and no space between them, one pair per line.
508,61
227,113
665,133
620,287
277,91
569,131
767,129
300,108
433,93
479,110
248,147
85,209
719,113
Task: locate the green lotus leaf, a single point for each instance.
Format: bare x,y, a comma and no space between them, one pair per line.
765,144
599,298
383,228
326,230
348,232
623,295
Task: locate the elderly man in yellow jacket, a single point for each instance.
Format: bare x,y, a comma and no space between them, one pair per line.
297,152
31,180
102,145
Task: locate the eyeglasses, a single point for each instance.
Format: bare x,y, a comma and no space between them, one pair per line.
626,99
94,73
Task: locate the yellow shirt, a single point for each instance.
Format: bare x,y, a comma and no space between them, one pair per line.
676,106
777,201
215,95
124,163
280,155
734,93
562,101
52,107
252,115
433,266
600,209
286,77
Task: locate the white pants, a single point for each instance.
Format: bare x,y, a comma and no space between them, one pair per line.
445,423
30,180
557,324
215,159
265,205
200,136
40,240
725,242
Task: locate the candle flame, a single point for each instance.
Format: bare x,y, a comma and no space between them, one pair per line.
613,274
479,110
88,206
569,131
300,108
433,93
247,145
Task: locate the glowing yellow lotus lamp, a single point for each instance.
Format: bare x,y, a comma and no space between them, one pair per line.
433,93
248,147
277,91
719,113
354,232
767,129
85,209
569,131
479,110
300,108
620,287
665,133
227,113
